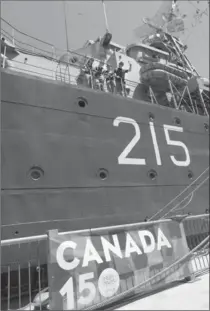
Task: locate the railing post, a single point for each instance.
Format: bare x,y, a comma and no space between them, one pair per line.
152,96
13,36
186,249
4,59
172,92
190,99
203,103
182,97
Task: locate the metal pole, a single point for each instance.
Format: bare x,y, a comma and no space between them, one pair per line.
66,29
67,41
13,36
4,59
203,103
190,99
105,16
172,92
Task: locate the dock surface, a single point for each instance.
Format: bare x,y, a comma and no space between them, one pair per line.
187,296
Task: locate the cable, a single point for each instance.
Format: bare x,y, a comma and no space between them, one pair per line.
179,194
25,33
175,207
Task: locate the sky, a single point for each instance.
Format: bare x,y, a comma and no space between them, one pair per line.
85,20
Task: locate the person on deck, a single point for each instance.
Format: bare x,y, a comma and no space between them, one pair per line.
120,78
110,79
99,77
87,73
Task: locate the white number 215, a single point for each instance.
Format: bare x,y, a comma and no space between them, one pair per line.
123,157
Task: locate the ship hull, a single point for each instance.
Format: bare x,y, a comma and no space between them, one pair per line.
45,127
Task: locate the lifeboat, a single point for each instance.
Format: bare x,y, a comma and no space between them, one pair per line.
158,74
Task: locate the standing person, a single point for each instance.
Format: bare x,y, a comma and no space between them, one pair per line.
99,77
86,74
120,78
110,79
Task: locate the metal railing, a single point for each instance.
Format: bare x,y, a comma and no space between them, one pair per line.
155,281
64,72
24,265
196,229
26,42
23,273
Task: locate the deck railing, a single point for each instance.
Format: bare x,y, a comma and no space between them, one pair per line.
69,71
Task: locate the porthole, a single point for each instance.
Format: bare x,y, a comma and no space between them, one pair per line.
36,173
152,174
82,102
177,121
103,174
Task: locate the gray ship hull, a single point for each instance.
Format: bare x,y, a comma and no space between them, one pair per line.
76,148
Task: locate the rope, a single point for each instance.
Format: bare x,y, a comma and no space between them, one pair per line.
180,261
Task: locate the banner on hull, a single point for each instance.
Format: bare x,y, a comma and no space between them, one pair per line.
91,267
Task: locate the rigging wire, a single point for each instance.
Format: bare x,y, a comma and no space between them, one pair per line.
66,28
179,195
197,18
105,16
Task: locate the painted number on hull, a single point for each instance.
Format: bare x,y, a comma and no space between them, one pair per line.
171,142
123,157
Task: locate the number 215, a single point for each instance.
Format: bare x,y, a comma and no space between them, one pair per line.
123,157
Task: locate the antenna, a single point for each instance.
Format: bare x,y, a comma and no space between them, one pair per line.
66,29
105,16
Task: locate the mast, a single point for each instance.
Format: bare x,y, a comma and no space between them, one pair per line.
66,29
105,16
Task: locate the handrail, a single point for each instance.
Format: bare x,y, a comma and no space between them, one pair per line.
100,229
64,51
47,43
57,76
41,41
43,237
202,109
